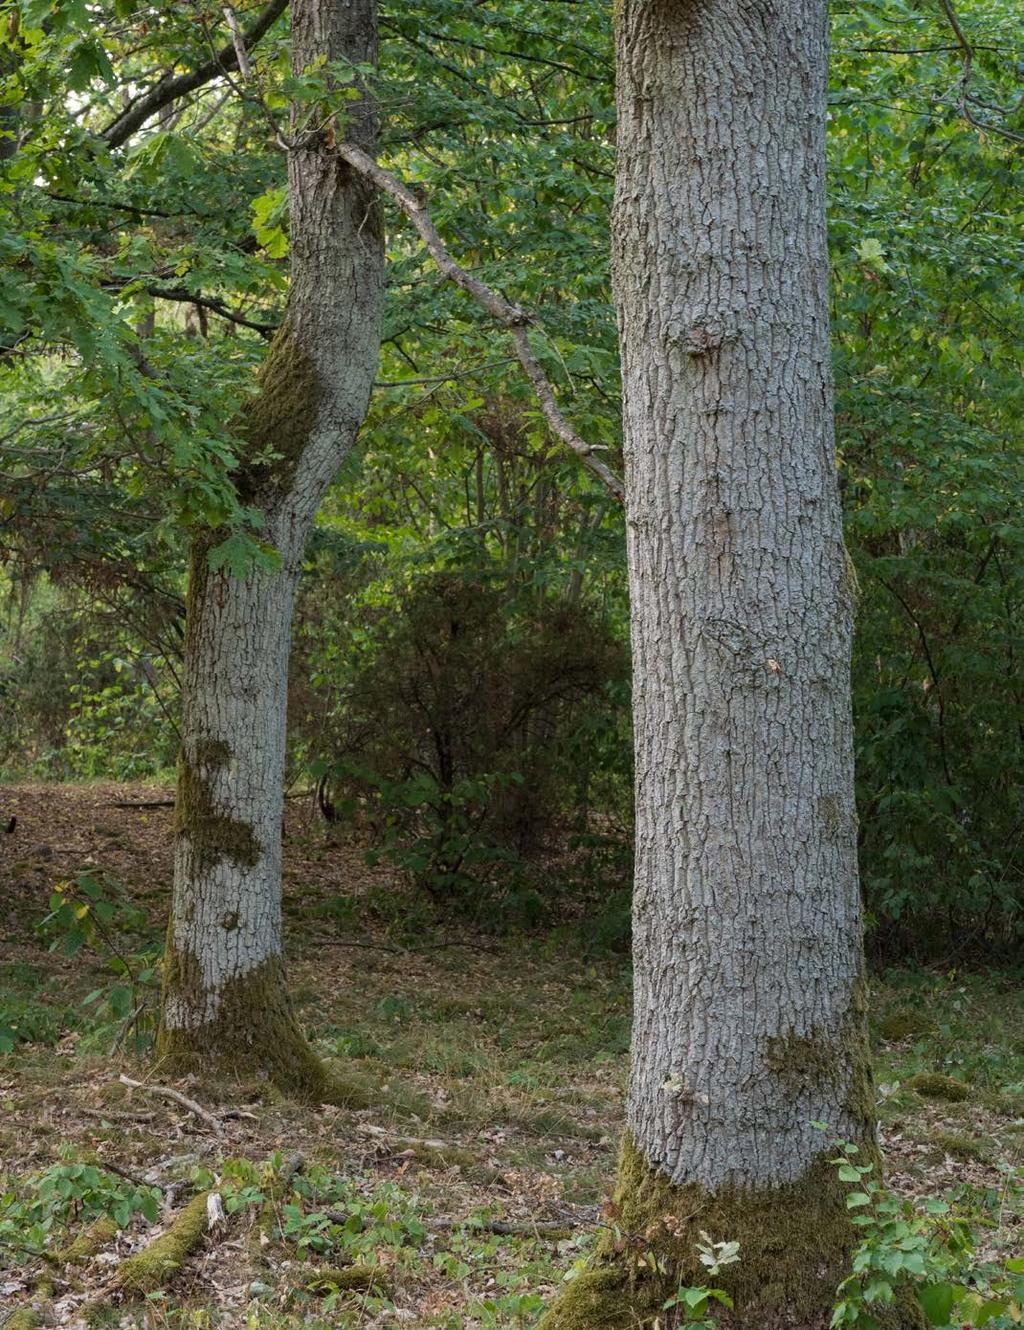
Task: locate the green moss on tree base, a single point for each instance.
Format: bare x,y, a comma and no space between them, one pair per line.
152,1267
597,1299
254,1032
795,1244
92,1239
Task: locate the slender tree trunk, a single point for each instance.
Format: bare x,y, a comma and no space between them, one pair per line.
749,998
225,997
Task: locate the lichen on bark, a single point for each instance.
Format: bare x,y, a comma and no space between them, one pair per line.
795,1242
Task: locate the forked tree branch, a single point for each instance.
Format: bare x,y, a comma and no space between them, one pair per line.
967,50
512,317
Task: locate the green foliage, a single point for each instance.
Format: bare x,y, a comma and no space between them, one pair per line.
85,692
929,1254
140,282
692,1306
457,737
60,1195
928,323
94,910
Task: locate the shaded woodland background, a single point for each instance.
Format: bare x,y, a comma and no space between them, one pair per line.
460,681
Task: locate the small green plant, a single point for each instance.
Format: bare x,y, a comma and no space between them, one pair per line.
65,1193
691,1306
94,910
927,1256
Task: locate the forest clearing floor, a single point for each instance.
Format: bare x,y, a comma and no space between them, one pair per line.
496,1067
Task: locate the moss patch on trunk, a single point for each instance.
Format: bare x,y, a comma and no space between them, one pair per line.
795,1244
280,421
254,1032
211,833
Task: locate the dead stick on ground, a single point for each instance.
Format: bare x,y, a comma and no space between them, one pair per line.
166,1092
108,1115
513,317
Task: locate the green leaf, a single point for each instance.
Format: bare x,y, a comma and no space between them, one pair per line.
937,1302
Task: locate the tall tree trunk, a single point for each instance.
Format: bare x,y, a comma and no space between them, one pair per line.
749,997
225,997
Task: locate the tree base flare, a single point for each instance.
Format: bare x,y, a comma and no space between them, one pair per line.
254,1032
794,1241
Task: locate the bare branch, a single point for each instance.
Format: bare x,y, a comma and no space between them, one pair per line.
171,87
513,317
167,1092
967,52
238,41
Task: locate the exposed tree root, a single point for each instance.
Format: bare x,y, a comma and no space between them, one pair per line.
92,1239
152,1267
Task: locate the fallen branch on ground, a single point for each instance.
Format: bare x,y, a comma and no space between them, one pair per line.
167,1092
150,1268
108,1115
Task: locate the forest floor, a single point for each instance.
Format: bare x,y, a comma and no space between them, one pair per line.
496,1069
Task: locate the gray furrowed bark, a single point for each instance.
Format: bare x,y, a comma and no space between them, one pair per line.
746,912
225,929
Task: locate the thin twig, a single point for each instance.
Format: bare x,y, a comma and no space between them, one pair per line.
128,1176
967,50
107,1115
166,1092
238,41
170,87
510,316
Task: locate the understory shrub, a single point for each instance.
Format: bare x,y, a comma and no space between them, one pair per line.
476,721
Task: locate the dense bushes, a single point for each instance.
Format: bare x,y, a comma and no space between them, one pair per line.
477,720
81,696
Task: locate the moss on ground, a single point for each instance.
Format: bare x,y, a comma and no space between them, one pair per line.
904,1023
22,1319
92,1239
932,1085
157,1263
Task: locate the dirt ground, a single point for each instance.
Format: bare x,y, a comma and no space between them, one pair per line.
496,1068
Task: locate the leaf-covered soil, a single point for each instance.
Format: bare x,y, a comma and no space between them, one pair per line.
497,1071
